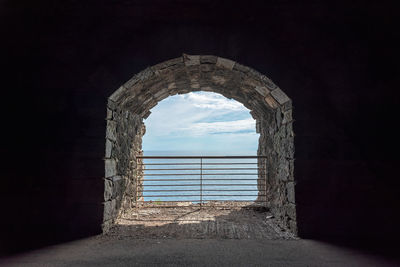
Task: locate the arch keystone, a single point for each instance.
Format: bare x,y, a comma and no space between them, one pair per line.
191,60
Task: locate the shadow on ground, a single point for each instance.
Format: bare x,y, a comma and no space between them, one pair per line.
199,223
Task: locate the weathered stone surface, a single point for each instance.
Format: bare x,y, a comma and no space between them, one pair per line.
172,63
225,63
290,192
117,94
291,210
109,114
118,187
108,189
110,168
111,130
241,68
191,60
280,96
207,67
108,148
262,90
287,116
219,79
207,59
271,102
109,210
268,104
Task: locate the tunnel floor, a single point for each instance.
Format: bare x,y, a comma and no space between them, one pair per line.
233,221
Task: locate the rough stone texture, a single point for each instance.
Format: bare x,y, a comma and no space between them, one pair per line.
268,104
225,63
123,143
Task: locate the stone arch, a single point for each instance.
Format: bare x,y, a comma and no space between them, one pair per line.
268,105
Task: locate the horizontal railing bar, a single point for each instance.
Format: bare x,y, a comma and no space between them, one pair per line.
172,174
204,205
204,169
182,220
217,179
205,196
195,200
205,190
198,163
197,185
200,157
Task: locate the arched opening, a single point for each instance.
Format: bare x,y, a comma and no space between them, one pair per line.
200,122
185,135
132,102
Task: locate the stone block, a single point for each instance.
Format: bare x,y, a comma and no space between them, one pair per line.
118,187
262,90
280,96
171,86
117,94
291,211
208,59
278,117
106,226
271,102
287,116
219,79
268,83
145,74
109,210
108,189
241,68
146,114
111,132
109,146
169,64
109,114
111,104
293,226
207,68
283,170
110,168
290,192
225,63
191,60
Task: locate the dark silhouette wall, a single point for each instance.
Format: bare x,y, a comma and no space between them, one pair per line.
62,59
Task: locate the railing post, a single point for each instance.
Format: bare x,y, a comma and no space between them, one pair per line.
201,182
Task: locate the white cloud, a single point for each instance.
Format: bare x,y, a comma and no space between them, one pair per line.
204,128
208,100
201,119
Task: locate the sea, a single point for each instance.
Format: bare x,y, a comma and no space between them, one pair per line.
182,179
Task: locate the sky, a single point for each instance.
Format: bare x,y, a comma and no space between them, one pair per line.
200,121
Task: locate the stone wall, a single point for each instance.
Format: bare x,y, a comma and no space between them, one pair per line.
122,178
268,105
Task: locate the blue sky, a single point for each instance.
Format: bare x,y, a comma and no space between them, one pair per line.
200,121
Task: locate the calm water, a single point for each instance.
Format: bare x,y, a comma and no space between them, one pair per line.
159,181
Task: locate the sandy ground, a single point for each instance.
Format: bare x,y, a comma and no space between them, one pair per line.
227,220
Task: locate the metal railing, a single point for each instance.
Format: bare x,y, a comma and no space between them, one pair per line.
172,181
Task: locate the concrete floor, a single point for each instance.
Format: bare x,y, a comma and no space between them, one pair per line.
112,251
